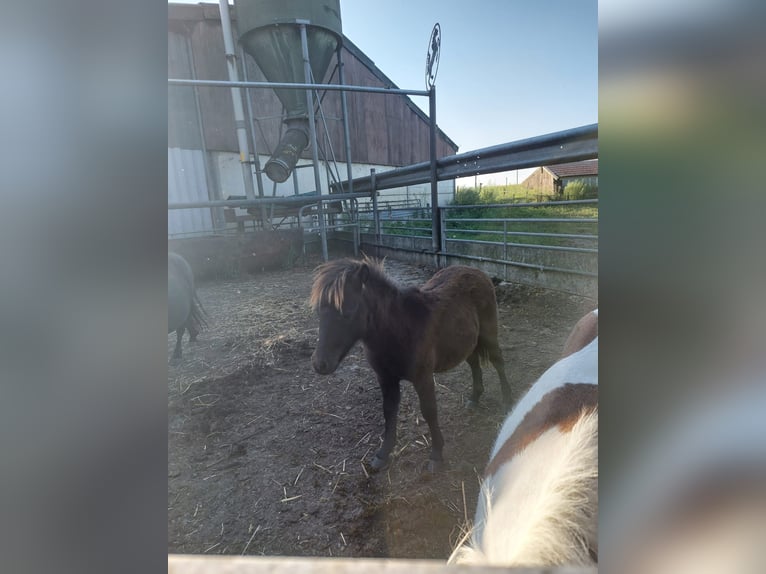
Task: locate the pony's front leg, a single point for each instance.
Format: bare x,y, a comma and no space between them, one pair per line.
391,390
427,396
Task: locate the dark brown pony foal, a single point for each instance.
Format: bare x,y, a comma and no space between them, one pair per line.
408,333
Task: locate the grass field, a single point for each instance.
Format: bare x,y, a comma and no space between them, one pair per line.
478,222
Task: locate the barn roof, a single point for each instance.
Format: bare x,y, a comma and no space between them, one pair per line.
388,83
574,169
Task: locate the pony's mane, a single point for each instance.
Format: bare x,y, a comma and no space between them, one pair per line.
330,279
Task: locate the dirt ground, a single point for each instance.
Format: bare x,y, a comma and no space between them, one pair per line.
267,457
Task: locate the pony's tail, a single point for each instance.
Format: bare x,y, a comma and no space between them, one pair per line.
465,552
540,508
483,353
198,315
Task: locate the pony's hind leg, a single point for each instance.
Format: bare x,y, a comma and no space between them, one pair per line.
496,358
427,396
193,332
478,386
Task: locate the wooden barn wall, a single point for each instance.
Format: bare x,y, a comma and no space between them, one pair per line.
383,129
539,180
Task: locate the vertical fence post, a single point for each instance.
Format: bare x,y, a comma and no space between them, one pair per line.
355,221
436,222
505,241
375,214
443,230
505,250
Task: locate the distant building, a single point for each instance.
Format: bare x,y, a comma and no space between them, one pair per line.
552,179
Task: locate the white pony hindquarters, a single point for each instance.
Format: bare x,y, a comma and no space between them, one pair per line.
541,507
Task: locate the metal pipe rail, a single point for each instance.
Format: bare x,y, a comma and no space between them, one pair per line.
525,245
294,85
587,237
408,220
287,200
521,264
400,236
528,219
565,146
425,230
528,204
524,233
301,214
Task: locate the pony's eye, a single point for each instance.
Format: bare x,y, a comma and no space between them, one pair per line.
349,310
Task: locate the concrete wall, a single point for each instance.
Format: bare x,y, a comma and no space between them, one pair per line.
231,256
418,250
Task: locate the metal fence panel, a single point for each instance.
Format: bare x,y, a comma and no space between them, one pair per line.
544,249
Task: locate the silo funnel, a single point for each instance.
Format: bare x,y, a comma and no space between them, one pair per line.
269,33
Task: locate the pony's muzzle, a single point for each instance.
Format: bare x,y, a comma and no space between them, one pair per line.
321,365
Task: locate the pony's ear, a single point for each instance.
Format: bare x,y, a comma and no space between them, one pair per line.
364,273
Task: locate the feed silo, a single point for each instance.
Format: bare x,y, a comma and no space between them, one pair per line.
270,31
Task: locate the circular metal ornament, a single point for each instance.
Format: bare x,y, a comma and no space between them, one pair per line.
432,58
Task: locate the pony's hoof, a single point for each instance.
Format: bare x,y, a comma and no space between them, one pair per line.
471,405
436,466
377,464
174,361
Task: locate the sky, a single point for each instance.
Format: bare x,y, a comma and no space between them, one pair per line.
508,70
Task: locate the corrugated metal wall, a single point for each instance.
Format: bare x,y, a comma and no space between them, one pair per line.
186,182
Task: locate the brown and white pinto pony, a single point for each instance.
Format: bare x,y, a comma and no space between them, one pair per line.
538,503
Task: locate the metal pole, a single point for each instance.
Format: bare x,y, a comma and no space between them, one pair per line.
375,214
294,86
344,114
256,163
355,219
251,131
313,136
295,182
236,99
505,250
436,222
505,240
286,200
443,218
